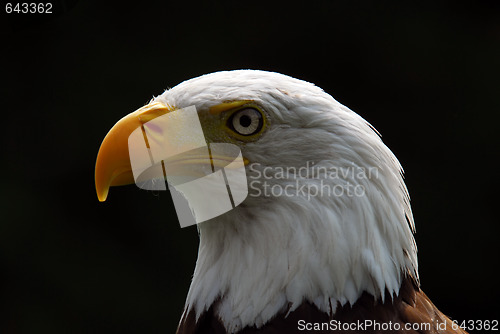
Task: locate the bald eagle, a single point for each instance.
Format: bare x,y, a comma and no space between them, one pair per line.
324,240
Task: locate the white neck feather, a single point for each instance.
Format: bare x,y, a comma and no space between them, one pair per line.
272,253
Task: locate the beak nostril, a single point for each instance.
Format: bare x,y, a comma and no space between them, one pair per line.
153,110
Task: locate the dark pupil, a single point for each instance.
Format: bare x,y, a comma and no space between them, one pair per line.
245,121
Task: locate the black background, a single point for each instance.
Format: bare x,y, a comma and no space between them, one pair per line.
425,75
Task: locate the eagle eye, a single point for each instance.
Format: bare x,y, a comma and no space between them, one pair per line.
246,122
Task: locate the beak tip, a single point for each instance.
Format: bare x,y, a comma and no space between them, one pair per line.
102,190
102,195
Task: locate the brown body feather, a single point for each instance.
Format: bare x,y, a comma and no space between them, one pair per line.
411,306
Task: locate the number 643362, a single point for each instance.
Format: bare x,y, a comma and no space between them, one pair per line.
478,325
28,8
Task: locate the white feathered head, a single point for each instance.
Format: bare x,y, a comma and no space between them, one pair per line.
327,216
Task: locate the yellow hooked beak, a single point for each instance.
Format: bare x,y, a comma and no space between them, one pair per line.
113,167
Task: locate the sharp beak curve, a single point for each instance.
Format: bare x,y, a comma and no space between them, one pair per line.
112,166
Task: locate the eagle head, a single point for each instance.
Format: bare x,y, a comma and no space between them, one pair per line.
327,216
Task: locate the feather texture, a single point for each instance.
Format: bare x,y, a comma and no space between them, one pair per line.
275,257
410,312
